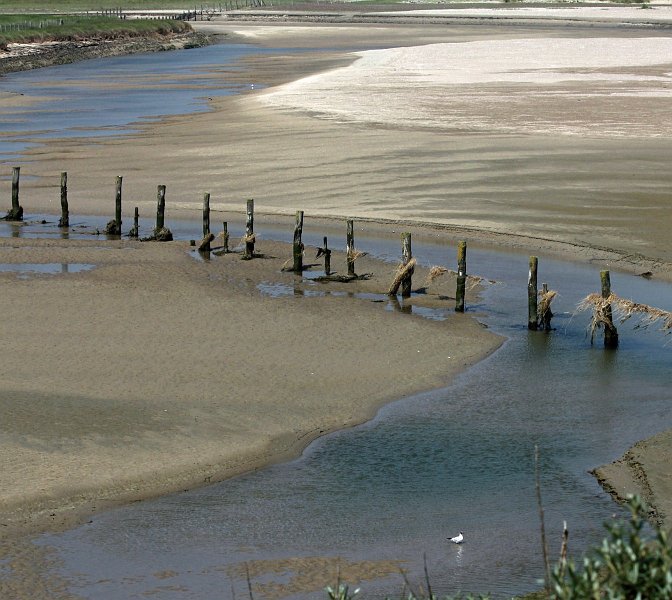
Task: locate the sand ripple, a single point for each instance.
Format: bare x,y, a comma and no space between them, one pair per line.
596,86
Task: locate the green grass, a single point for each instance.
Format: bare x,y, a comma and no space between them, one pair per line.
64,6
43,27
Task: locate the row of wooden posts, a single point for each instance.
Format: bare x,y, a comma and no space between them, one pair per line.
403,279
537,319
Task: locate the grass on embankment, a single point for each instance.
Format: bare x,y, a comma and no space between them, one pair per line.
49,27
65,6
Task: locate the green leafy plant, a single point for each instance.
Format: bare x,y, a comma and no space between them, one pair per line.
628,565
341,592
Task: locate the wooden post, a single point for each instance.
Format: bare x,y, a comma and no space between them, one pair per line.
16,212
134,232
205,242
532,294
461,287
117,205
298,245
16,171
225,236
249,231
327,258
546,314
350,246
206,214
161,232
113,227
402,273
64,221
610,332
406,256
160,207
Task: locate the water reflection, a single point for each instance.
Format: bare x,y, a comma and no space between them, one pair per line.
25,270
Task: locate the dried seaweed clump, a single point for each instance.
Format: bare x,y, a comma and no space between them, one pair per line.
544,310
354,254
623,309
435,273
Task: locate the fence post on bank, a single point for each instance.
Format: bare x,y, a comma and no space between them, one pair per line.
64,221
406,256
249,231
461,285
297,249
610,332
350,246
532,295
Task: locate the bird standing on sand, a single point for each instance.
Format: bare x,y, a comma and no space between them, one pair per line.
458,539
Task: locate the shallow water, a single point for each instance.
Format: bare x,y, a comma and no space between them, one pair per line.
108,96
26,270
455,459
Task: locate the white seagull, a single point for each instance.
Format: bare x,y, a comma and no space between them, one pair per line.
458,539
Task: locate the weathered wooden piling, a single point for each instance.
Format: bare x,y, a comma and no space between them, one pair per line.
16,212
160,207
461,286
205,242
545,312
404,274
207,236
64,221
249,231
532,295
225,237
406,256
610,332
297,248
114,226
327,258
350,246
135,230
117,203
161,232
206,214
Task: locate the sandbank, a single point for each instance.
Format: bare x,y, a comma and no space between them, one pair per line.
156,372
142,376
